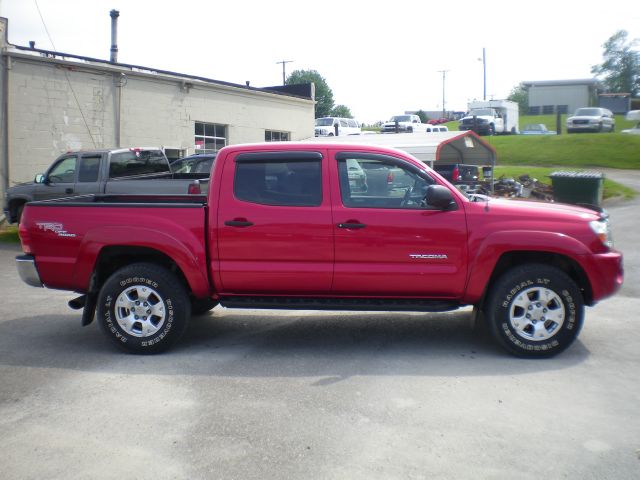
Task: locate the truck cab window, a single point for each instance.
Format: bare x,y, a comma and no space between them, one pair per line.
64,171
375,183
280,183
136,162
89,169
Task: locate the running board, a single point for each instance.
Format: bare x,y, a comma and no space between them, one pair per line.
362,304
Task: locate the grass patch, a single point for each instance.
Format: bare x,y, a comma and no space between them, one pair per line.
9,234
579,150
611,189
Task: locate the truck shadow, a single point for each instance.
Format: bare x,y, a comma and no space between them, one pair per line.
238,343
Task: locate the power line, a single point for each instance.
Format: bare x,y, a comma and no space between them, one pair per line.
66,74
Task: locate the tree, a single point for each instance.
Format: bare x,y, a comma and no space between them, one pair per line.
341,111
423,116
324,95
621,64
520,95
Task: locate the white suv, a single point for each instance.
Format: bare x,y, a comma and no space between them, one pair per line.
591,119
326,126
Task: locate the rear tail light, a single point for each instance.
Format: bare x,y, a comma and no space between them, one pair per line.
194,188
390,177
24,238
456,174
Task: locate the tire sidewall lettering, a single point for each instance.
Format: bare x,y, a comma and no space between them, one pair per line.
174,309
552,343
503,296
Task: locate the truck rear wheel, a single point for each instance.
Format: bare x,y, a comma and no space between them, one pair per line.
143,308
535,311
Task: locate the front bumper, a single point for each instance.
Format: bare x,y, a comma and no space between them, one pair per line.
606,274
28,271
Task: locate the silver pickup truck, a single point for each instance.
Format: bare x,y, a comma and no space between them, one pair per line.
137,171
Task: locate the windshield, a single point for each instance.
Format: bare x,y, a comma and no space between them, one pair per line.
324,122
401,118
589,112
481,112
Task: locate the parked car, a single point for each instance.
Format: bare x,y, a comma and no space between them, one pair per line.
404,123
437,128
139,171
591,119
327,126
198,163
536,129
633,115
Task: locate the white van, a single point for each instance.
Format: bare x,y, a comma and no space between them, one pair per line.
326,126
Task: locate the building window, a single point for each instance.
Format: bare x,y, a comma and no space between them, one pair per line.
273,136
210,137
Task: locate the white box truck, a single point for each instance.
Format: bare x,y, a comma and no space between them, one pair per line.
489,117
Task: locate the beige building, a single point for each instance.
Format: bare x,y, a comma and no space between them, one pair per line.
53,102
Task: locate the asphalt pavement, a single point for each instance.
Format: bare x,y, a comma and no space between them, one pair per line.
308,395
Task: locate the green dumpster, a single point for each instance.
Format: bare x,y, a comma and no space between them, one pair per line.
578,187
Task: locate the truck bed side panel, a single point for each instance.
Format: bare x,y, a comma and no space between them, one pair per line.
67,238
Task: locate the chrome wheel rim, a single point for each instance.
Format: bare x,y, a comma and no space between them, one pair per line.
537,314
140,311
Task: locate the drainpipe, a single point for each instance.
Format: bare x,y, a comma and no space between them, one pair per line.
4,114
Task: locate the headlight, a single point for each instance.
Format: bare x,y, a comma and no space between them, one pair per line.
603,231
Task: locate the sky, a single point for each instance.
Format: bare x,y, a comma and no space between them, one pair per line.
380,58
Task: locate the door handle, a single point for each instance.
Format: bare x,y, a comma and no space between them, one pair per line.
351,225
238,223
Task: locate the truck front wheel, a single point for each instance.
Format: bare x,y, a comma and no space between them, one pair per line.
535,311
143,308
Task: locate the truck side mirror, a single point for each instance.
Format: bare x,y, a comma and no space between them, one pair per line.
39,178
439,197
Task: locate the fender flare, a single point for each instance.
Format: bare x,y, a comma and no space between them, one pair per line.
189,254
494,246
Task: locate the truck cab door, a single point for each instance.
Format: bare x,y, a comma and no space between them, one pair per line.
387,242
273,228
59,181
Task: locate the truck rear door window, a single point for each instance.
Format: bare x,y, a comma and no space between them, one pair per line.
291,182
89,168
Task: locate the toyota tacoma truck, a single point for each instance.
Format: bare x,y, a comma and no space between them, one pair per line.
283,227
122,170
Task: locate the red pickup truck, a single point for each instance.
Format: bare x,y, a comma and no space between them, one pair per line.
320,226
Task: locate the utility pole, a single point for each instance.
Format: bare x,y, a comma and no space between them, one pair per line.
284,62
484,74
444,73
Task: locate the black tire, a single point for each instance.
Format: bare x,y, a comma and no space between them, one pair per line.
200,306
410,130
143,308
19,213
516,312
